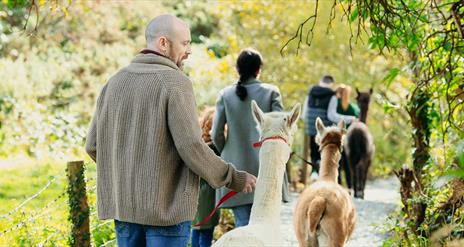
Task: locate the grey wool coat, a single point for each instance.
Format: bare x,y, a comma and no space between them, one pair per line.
236,146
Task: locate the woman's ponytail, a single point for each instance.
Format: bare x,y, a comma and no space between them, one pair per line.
249,62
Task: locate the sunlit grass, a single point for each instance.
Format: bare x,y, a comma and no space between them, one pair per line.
43,219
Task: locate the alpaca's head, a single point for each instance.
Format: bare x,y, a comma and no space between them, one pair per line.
281,124
363,98
330,135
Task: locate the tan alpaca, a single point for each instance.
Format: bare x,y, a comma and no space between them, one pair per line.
263,229
325,203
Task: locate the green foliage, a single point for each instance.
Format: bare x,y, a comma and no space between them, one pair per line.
432,35
49,85
400,225
256,24
49,225
391,76
202,22
458,169
50,81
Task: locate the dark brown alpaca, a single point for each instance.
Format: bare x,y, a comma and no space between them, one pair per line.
359,146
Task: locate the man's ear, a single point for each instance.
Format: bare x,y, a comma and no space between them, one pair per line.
294,115
163,43
258,115
319,126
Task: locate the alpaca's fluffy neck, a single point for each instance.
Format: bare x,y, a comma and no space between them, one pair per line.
330,155
363,114
268,194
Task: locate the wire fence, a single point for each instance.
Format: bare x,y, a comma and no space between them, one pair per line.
56,203
22,204
101,224
33,216
109,243
42,190
41,244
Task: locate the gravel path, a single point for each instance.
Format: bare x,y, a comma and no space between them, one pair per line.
381,198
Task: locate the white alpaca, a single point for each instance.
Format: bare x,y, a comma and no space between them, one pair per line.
277,129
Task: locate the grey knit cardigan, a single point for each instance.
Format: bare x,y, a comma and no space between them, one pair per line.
146,141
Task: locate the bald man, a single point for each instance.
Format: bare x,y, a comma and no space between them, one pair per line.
146,141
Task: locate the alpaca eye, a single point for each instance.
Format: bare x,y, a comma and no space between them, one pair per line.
285,119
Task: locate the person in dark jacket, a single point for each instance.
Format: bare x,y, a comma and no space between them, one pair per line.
316,105
321,102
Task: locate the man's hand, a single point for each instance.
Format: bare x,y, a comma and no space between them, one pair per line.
250,183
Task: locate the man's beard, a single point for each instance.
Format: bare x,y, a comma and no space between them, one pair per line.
180,64
172,57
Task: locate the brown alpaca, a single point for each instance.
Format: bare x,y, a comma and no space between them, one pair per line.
325,203
359,146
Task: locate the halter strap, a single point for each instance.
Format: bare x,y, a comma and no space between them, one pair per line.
260,143
336,143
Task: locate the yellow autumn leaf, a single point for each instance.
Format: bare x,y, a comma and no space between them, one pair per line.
65,11
41,3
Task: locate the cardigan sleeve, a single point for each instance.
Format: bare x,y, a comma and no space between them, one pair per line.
91,140
186,134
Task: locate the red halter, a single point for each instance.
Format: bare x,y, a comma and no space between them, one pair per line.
258,144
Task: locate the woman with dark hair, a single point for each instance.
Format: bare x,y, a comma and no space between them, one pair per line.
233,108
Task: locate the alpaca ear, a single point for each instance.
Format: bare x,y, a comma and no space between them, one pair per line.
371,90
294,115
357,91
258,115
341,125
319,125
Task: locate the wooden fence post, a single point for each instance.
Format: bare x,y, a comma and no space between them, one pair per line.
79,208
304,171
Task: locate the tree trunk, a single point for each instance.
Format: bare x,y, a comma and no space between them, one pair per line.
419,108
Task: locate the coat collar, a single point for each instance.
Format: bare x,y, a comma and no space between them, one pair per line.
153,58
251,81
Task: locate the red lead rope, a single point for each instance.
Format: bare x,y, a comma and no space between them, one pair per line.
223,199
233,193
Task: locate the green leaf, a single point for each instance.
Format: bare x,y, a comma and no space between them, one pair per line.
456,173
354,15
387,108
391,76
447,46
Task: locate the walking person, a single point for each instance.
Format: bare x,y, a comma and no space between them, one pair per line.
146,141
202,236
321,102
344,108
233,108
